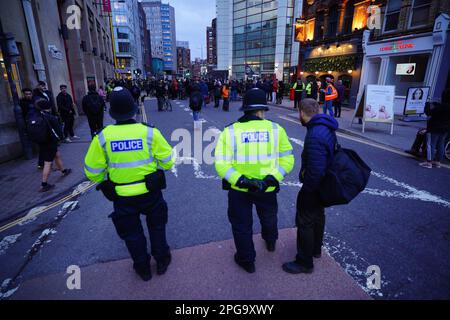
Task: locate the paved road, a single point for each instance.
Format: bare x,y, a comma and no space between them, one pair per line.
400,223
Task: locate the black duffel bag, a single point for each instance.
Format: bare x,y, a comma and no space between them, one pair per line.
346,177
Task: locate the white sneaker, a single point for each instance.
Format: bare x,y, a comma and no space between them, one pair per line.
76,138
67,140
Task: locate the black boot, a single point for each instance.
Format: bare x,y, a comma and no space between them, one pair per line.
161,266
247,266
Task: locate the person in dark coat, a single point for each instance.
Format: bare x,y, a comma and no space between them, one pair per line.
438,128
94,107
48,151
320,142
26,102
64,102
340,88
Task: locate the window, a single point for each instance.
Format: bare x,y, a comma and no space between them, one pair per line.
348,18
392,15
332,21
420,13
124,47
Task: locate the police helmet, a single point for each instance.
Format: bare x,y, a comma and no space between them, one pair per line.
122,104
255,100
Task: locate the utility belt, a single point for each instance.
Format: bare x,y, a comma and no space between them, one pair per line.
154,182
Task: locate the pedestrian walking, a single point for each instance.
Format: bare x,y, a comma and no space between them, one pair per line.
127,155
225,97
45,129
42,92
196,101
94,107
26,102
217,94
438,128
320,143
330,95
253,156
280,92
298,87
66,110
340,88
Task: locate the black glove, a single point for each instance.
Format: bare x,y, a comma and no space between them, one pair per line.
253,185
271,181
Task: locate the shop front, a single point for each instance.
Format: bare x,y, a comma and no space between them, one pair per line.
339,61
413,61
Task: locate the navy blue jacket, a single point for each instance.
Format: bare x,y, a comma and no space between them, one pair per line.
318,151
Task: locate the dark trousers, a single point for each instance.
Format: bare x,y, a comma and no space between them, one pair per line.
68,126
226,104
216,102
240,215
337,108
298,99
310,220
126,219
269,96
95,123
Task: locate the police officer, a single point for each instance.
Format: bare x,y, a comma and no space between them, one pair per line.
124,159
252,156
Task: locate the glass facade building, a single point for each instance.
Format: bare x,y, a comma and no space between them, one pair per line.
262,38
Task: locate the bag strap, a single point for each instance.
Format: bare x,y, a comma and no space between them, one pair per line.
50,126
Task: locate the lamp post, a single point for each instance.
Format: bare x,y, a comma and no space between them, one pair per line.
7,43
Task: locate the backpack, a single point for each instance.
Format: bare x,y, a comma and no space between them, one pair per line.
196,101
346,177
38,127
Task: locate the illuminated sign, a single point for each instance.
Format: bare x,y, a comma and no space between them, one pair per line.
405,69
396,46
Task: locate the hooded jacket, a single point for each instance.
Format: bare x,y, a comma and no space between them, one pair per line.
318,151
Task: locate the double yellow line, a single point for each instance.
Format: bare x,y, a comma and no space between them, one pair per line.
47,208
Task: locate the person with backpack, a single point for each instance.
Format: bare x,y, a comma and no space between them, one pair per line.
67,112
94,107
196,101
45,130
320,143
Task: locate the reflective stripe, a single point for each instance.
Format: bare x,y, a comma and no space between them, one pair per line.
102,141
229,173
276,140
282,171
165,160
254,157
93,170
149,139
233,144
224,158
130,164
285,154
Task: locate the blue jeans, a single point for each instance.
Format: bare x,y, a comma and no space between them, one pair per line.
328,105
196,115
436,146
233,95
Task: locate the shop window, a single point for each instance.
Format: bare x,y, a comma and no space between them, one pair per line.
392,15
403,82
420,13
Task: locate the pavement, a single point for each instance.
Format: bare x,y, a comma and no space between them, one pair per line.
402,139
204,272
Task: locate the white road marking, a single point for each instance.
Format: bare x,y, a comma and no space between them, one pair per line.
32,215
5,285
7,242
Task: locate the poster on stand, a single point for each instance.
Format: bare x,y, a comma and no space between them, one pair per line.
379,105
416,100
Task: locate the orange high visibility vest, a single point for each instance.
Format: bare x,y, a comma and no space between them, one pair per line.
225,93
333,95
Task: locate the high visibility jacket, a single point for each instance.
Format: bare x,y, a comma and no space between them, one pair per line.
308,88
255,149
296,88
125,154
331,96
